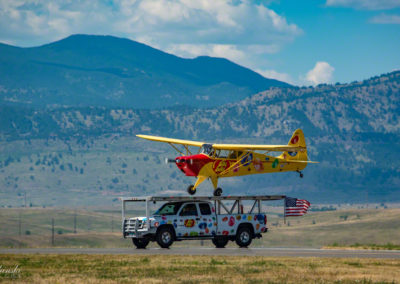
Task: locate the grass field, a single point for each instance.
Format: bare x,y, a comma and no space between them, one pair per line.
101,228
195,269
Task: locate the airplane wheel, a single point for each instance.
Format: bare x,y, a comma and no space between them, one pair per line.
191,190
218,192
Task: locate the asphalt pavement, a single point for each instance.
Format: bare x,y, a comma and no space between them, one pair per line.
284,252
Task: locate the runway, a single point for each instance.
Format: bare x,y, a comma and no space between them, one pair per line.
275,252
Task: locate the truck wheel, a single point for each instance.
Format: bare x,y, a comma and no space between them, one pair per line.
140,243
243,237
220,242
165,237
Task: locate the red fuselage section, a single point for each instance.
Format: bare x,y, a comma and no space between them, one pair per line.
191,165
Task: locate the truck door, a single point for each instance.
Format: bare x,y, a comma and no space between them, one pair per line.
188,219
207,224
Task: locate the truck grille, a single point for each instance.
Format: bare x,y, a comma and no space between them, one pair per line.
129,225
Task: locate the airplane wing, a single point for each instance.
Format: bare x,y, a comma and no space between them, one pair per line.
243,147
302,162
170,140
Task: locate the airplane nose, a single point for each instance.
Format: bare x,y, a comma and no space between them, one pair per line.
191,165
182,160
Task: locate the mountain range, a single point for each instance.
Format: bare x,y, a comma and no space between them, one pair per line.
86,70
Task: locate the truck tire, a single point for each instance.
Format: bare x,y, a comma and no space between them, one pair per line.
220,242
165,237
243,236
140,243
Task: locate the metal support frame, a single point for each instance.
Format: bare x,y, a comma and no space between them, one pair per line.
252,208
233,206
203,198
223,206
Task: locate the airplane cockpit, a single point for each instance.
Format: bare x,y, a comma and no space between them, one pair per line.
217,153
207,149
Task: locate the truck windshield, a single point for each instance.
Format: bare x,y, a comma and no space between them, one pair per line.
170,208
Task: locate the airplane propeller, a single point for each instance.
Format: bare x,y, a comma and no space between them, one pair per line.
168,160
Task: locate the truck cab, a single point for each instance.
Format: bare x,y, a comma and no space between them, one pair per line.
197,218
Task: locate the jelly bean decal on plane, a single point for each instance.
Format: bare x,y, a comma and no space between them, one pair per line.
275,163
258,165
247,159
220,165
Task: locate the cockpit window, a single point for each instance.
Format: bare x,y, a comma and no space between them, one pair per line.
228,154
207,149
222,153
225,154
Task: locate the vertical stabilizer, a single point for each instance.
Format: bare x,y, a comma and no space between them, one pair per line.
297,139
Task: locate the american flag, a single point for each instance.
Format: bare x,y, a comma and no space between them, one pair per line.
296,207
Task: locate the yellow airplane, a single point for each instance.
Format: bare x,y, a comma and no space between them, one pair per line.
216,161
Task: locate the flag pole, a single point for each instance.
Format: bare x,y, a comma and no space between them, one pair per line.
284,211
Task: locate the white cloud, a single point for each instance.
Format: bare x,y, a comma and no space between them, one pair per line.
228,51
321,73
272,74
365,4
386,19
241,30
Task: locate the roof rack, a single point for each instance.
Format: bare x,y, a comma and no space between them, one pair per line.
203,198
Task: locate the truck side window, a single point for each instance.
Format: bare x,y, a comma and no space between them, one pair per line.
205,209
170,208
189,210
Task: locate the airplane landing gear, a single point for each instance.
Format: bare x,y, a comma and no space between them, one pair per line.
301,174
191,190
218,191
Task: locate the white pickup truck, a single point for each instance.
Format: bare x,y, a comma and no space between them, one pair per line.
185,218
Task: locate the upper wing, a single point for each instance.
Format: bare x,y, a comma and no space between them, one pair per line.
243,147
170,140
302,162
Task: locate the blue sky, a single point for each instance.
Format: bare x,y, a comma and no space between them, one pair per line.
300,42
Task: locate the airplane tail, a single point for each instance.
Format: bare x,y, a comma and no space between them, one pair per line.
297,139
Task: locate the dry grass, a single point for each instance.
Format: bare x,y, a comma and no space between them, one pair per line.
197,269
316,229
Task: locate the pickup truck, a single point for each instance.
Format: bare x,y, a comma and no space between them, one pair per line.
183,218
